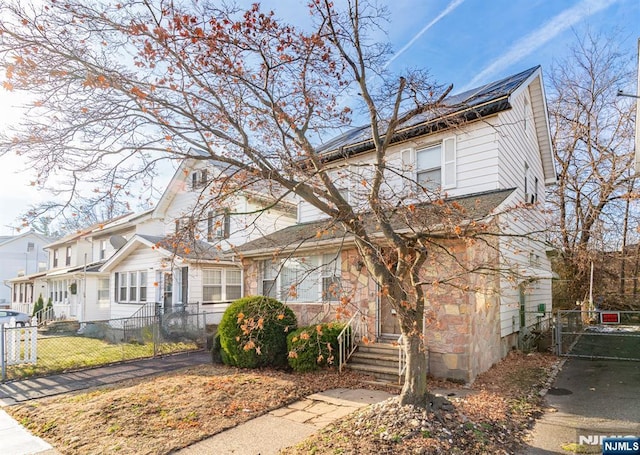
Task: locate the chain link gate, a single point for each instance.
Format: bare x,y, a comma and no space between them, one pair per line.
598,334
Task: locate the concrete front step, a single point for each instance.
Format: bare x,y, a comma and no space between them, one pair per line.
376,359
385,374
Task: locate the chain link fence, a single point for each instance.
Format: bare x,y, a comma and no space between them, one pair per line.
588,334
69,345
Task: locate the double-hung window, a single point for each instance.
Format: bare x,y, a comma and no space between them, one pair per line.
432,167
131,287
306,279
199,179
218,226
428,167
221,285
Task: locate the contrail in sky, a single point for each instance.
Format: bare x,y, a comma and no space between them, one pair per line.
541,36
453,5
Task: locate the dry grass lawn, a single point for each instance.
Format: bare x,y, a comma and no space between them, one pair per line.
161,414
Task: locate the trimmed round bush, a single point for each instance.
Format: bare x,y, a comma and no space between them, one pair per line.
313,347
253,332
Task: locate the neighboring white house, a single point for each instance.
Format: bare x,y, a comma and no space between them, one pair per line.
487,151
179,259
21,256
71,278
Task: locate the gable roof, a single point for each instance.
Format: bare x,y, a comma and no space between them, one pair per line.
470,105
306,235
196,251
7,239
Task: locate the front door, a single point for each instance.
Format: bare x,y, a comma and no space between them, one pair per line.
389,325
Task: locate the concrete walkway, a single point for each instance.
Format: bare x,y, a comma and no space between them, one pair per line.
287,426
32,389
589,399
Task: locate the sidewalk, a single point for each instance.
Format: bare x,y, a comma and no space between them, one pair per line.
16,440
31,389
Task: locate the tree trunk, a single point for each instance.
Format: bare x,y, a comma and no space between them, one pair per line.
415,390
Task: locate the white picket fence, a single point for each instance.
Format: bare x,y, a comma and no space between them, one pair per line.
20,343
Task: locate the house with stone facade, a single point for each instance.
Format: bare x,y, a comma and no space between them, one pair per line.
492,165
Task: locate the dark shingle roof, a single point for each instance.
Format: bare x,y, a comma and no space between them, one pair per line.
187,249
458,209
466,106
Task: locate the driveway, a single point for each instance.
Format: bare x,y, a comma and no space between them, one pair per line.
589,399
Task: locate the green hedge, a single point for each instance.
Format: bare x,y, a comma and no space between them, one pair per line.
253,332
314,346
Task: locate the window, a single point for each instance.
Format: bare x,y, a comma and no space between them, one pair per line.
103,289
233,285
212,285
221,285
67,260
199,179
530,186
122,279
103,248
131,287
269,283
432,167
56,256
303,279
330,278
143,286
218,226
428,167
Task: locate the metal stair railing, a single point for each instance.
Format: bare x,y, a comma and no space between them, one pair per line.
348,339
44,315
143,317
402,358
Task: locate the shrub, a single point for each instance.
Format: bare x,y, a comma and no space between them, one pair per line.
39,305
253,332
313,347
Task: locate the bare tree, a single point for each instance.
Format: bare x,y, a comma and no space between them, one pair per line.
592,133
121,87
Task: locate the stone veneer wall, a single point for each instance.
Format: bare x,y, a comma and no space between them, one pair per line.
462,323
462,327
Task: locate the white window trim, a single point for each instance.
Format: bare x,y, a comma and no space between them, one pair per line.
127,286
319,272
223,284
448,164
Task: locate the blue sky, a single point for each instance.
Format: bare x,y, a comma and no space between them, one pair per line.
464,42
